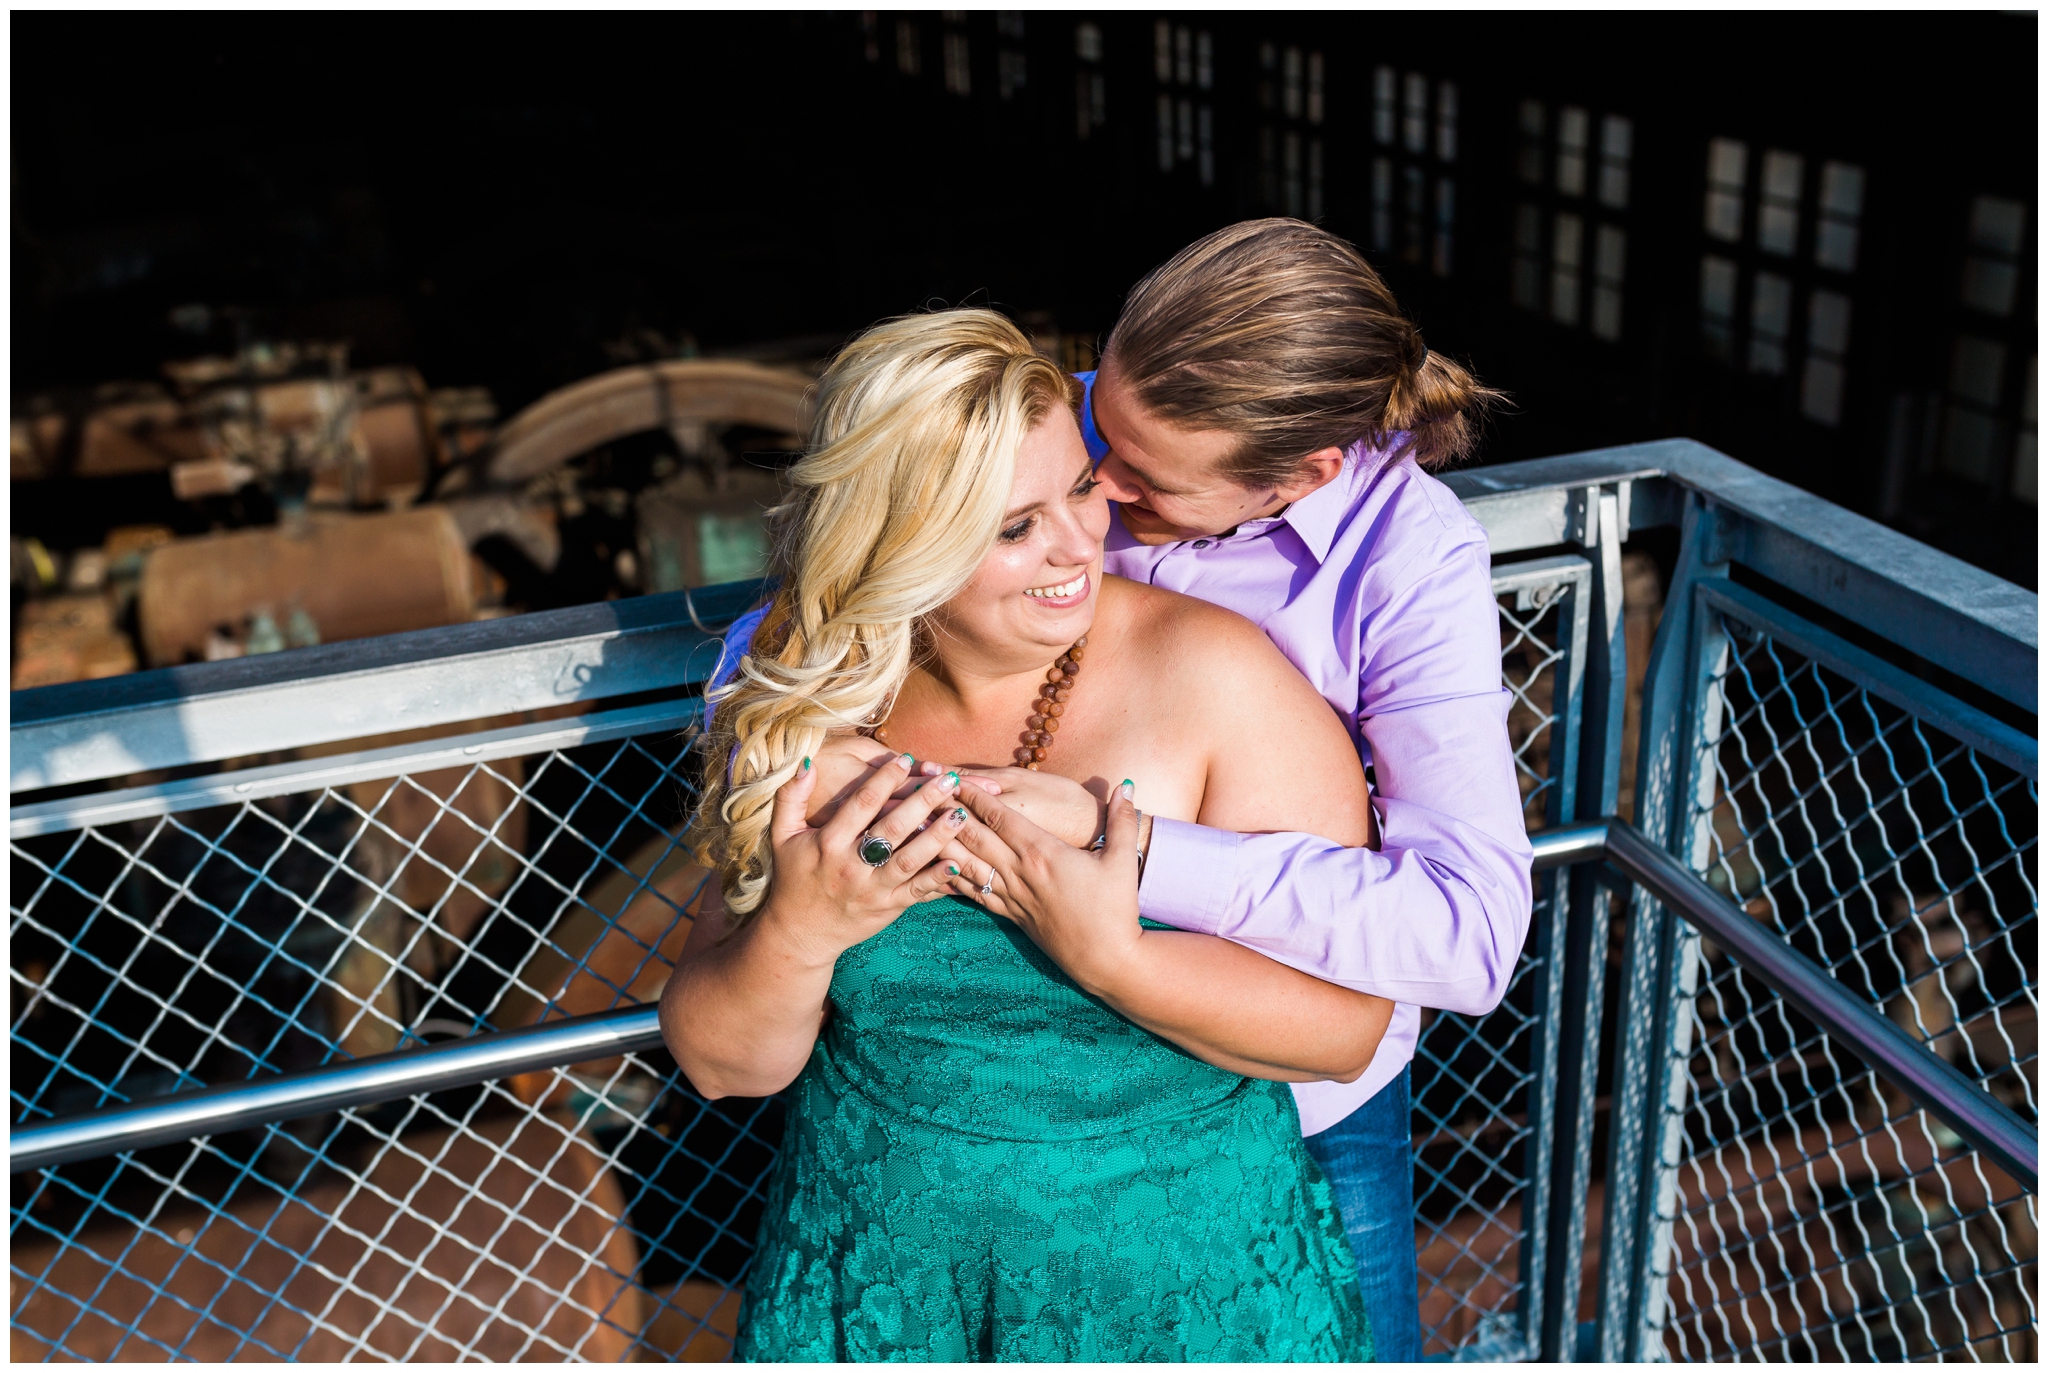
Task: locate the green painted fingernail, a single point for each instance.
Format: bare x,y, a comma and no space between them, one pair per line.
953,869
909,761
1126,789
952,779
959,815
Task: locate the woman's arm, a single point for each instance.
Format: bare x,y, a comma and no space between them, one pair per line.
741,1014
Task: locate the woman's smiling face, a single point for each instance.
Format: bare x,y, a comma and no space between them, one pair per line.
1036,591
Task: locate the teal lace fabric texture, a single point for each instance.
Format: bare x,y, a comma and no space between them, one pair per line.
981,1162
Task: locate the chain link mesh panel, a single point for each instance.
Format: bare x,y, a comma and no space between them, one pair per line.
1471,1076
1814,1212
602,1211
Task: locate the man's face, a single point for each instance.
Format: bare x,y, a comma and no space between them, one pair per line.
1167,479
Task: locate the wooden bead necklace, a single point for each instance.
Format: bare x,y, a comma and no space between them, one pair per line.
1046,709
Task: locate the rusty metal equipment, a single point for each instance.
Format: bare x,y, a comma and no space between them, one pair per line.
352,576
682,396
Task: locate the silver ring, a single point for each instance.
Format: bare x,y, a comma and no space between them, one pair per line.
989,885
875,850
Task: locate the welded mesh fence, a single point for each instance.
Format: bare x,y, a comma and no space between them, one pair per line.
1472,1076
1816,1213
599,1212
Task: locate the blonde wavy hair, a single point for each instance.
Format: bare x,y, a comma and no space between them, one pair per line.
898,498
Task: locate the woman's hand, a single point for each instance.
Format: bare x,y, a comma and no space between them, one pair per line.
1059,805
824,897
1080,907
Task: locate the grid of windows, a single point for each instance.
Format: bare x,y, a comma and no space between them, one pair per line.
1793,272
1183,64
1570,257
1291,150
1414,196
1986,437
1091,86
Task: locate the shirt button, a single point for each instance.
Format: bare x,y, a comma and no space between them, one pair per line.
1201,543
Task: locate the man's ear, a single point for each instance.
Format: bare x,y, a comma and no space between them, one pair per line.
1317,471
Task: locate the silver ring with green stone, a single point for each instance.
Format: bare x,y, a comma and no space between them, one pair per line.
875,850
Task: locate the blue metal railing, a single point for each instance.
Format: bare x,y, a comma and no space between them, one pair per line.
1817,1086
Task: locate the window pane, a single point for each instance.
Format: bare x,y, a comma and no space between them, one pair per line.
1717,288
1528,283
1820,392
1770,309
1610,245
1571,151
1184,130
1315,178
1415,114
1770,319
1567,241
1781,175
1978,372
1162,51
1841,190
1997,224
1727,160
1528,230
1827,322
1571,128
1088,42
1183,55
1290,83
1315,88
1564,296
1614,185
1617,136
1606,312
1205,60
909,55
1834,245
1207,126
1447,121
1165,114
1989,285
1777,229
1383,82
1382,204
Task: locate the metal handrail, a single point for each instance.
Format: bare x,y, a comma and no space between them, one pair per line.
363,1082
1932,1081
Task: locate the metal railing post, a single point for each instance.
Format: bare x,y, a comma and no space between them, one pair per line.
1580,970
1651,955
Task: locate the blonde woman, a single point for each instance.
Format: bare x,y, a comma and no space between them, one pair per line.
997,1150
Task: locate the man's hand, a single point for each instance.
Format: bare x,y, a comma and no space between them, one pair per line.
1080,907
1058,805
847,761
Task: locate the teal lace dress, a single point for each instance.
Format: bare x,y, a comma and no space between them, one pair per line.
982,1162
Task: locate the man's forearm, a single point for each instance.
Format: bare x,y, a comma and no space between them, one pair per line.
1436,917
1242,1012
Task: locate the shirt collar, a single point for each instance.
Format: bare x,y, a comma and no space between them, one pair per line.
1316,516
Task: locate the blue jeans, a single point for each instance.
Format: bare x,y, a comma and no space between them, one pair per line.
1368,1158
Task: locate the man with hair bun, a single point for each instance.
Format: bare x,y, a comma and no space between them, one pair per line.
1267,419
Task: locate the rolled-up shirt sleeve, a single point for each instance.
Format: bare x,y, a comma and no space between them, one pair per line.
1437,915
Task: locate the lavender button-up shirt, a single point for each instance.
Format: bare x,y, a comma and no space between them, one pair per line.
1379,588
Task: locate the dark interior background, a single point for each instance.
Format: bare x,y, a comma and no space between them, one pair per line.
501,199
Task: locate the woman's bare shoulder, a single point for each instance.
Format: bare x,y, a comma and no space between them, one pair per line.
1193,634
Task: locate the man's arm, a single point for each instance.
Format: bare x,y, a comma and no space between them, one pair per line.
1438,914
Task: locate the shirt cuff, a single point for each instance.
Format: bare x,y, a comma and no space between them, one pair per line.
1190,873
